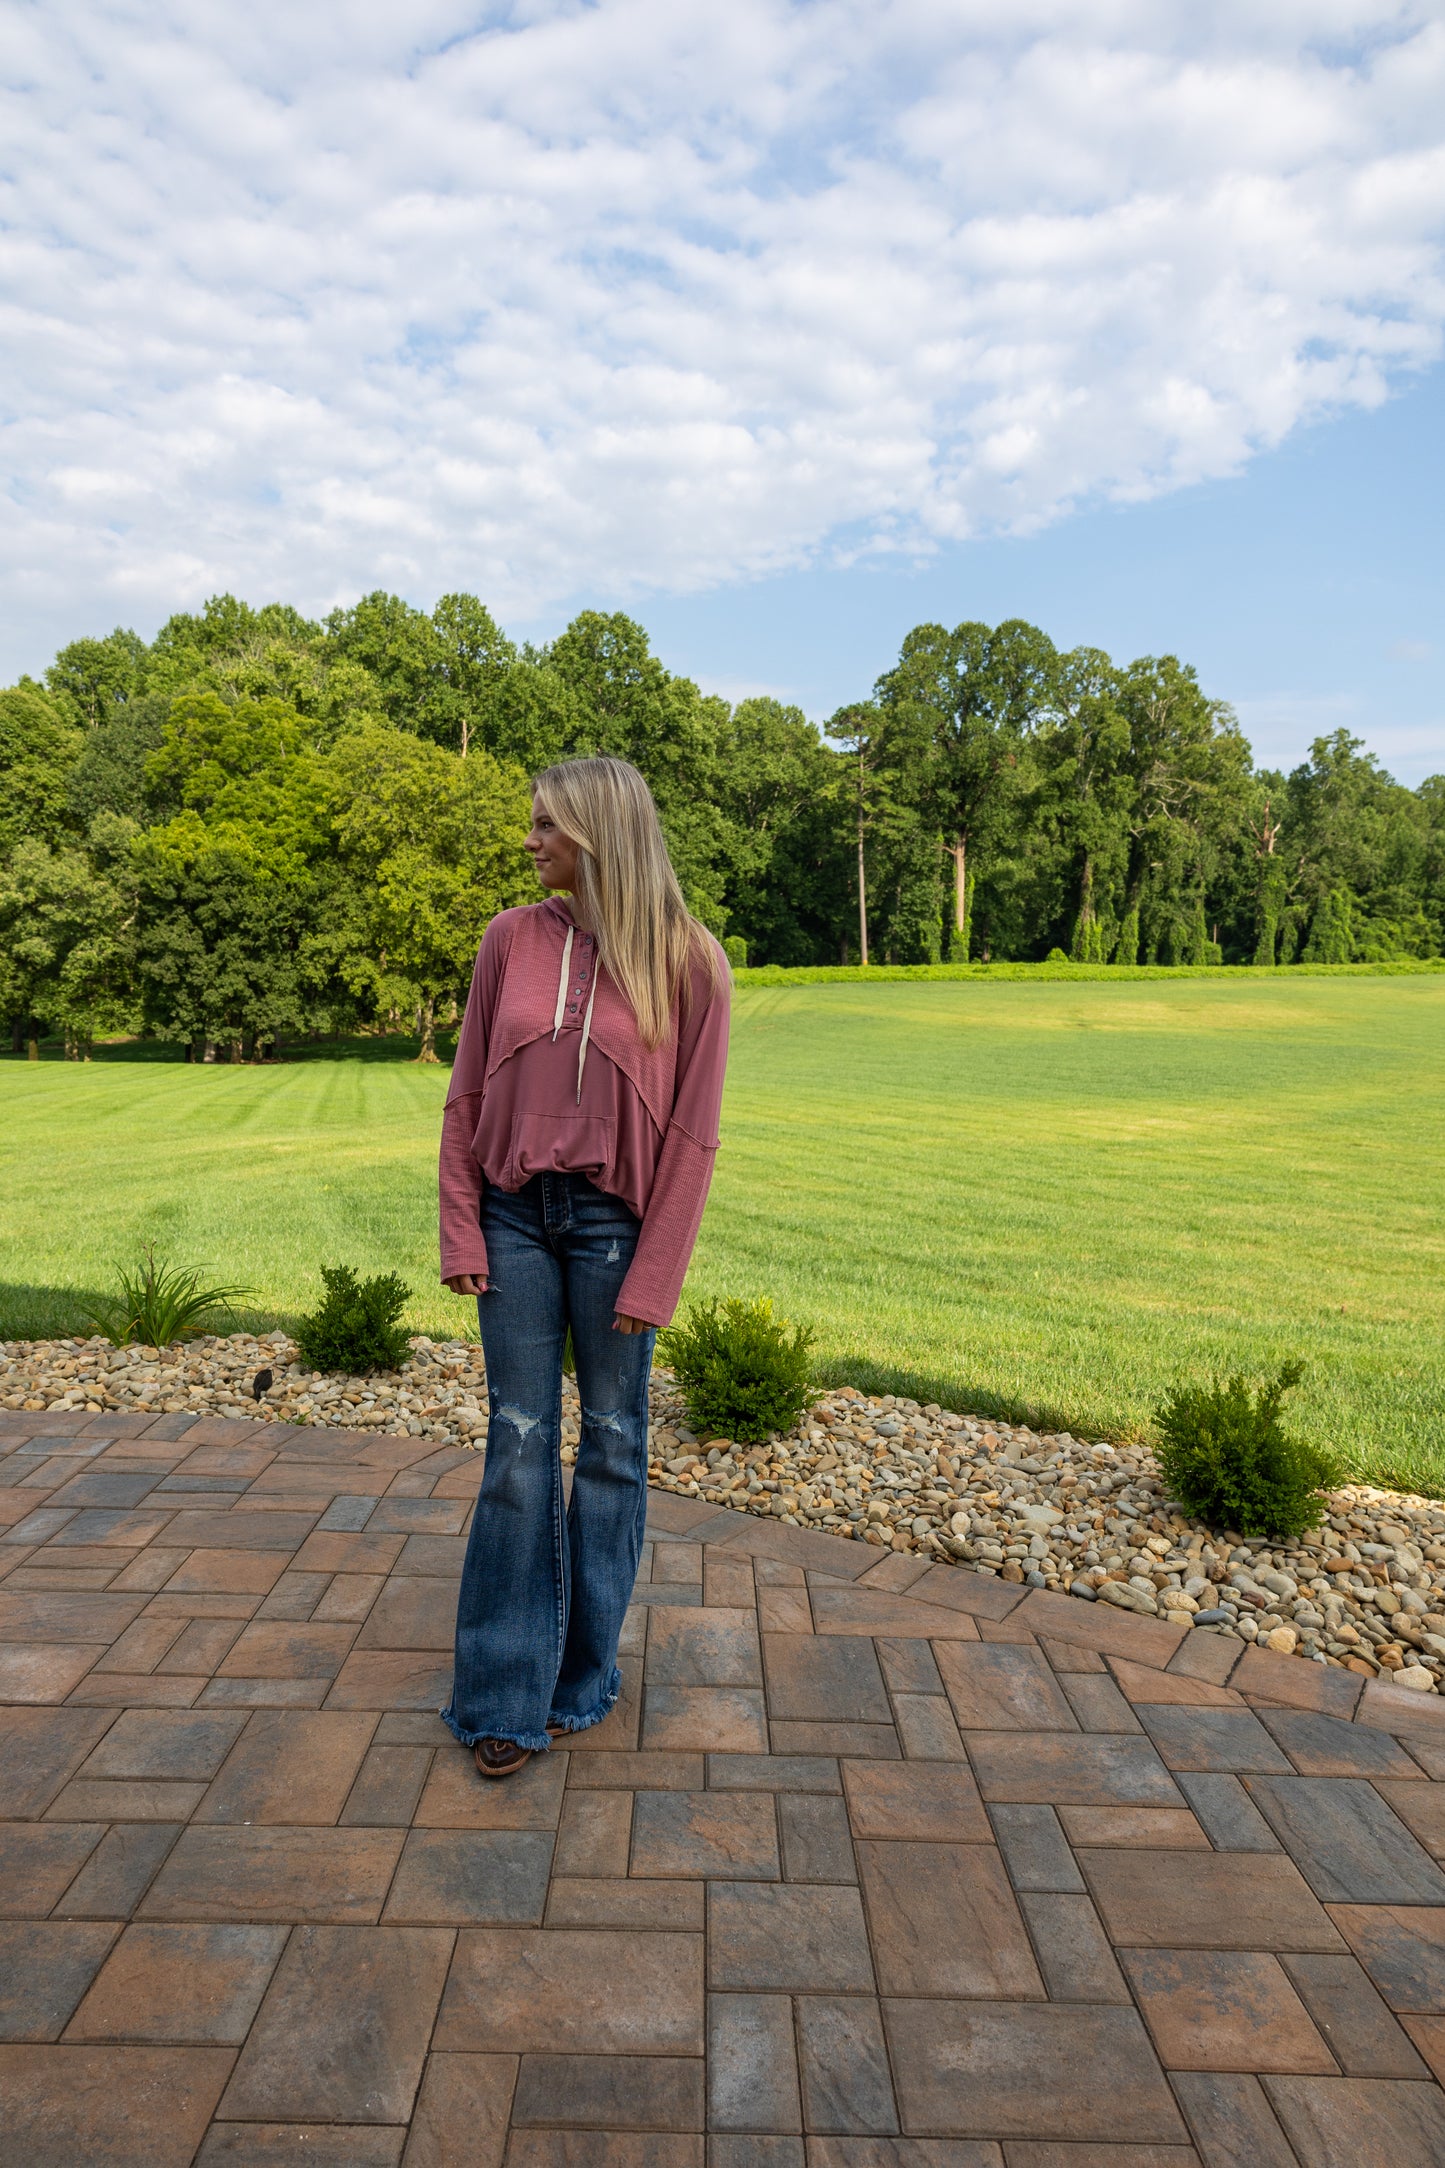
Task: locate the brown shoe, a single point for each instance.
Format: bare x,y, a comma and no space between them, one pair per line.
499,1757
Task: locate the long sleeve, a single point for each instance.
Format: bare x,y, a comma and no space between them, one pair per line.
460,1183
459,1179
684,1169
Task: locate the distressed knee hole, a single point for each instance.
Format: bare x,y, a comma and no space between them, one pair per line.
614,1255
612,1420
520,1421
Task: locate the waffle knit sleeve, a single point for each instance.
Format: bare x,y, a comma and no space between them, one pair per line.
463,1245
684,1168
460,1179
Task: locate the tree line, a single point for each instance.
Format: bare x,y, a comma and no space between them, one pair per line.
259,826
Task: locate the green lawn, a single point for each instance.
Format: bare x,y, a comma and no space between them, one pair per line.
1049,1198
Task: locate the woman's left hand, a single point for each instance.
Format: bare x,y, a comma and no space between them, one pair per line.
629,1324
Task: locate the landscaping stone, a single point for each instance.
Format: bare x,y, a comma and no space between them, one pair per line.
1364,1593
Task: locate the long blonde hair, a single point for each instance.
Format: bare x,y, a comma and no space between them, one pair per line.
626,890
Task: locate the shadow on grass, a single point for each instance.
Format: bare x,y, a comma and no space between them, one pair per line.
1417,1468
63,1313
46,1313
371,1047
930,1388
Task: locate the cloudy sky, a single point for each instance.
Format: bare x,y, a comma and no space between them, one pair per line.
782,325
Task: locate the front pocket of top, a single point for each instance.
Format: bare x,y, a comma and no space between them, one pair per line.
562,1144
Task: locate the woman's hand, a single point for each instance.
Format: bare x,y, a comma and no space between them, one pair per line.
629,1324
467,1283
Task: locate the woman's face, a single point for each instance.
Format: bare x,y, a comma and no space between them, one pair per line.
554,856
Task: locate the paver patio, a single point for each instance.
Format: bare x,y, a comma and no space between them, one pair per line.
876,1864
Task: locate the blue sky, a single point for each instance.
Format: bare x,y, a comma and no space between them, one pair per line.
1308,591
781,323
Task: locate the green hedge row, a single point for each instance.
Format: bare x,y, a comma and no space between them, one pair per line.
870,974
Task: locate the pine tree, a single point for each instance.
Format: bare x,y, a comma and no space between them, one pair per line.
1200,949
1332,939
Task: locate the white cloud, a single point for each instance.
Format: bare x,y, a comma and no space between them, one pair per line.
1282,726
547,297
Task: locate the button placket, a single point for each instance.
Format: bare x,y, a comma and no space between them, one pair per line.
582,966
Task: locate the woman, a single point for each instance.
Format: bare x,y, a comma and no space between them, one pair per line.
577,1149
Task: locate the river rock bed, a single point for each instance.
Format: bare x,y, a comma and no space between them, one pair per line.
1365,1590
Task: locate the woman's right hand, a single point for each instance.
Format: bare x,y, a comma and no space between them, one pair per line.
467,1283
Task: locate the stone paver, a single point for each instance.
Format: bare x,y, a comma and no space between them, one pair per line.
875,1865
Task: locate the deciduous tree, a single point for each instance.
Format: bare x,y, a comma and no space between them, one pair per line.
38,750
432,847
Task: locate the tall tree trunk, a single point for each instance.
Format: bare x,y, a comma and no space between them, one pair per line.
862,876
32,1040
862,896
17,1035
960,884
427,1021
1272,883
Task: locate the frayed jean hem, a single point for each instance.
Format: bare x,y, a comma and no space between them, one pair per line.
536,1742
604,1707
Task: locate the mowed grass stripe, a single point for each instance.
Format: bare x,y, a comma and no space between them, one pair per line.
1046,1197
1066,1197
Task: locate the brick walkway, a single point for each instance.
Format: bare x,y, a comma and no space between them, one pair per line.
939,1873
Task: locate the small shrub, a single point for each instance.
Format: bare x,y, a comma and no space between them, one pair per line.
355,1330
1056,956
735,948
158,1303
741,1372
1229,1461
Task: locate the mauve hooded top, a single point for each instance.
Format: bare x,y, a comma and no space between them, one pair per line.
552,1076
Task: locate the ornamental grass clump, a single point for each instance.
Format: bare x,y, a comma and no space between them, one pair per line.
355,1331
158,1303
1228,1460
741,1372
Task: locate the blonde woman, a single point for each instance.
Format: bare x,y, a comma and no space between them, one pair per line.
577,1149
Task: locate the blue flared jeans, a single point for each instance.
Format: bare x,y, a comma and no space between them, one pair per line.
545,1585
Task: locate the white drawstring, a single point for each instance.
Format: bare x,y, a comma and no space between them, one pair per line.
562,984
586,1028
